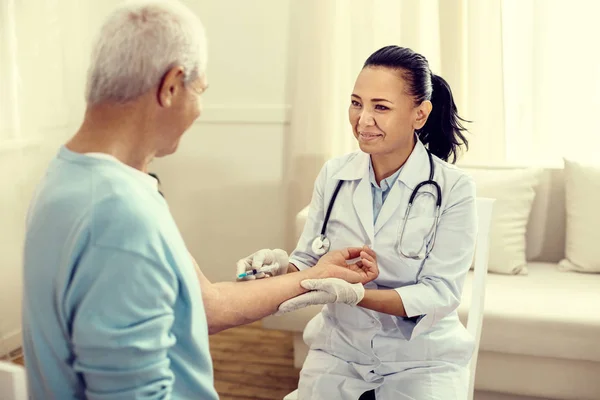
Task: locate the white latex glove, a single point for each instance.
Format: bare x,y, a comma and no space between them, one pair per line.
324,291
268,262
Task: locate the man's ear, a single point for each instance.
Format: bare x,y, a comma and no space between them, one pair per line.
171,83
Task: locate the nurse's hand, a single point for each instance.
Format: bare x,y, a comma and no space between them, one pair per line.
353,264
324,291
266,262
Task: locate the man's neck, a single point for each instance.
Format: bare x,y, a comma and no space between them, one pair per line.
118,131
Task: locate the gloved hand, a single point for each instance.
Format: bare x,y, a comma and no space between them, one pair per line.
324,291
269,262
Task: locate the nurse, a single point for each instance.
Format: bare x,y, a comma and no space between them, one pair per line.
403,340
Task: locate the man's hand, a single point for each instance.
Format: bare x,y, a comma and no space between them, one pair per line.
335,264
324,291
266,262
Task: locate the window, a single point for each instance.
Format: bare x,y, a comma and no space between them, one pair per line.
551,80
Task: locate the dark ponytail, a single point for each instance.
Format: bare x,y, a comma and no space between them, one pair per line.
443,131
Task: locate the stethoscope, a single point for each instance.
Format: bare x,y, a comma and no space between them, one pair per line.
321,244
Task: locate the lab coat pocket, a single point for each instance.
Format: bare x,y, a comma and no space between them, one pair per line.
414,238
453,344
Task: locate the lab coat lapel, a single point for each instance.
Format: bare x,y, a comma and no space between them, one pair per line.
391,204
357,168
414,170
363,204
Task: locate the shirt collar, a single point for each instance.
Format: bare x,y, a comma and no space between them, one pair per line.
386,183
141,176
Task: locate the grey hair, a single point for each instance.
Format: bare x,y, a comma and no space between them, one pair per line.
138,43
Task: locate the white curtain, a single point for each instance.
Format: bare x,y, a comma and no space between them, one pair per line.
551,80
41,68
330,41
526,72
41,75
9,77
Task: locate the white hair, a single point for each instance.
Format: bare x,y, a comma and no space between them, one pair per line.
138,43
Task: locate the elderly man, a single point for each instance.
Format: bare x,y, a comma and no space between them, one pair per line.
114,305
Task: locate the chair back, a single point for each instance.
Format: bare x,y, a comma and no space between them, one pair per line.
485,207
13,382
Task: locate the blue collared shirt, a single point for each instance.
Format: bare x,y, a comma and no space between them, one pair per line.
381,191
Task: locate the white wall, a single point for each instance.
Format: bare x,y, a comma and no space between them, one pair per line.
48,95
226,199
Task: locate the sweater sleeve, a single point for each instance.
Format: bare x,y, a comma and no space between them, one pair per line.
122,315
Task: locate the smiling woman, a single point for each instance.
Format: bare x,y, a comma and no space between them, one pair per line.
405,333
395,96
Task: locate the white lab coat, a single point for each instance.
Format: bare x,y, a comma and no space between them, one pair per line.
353,349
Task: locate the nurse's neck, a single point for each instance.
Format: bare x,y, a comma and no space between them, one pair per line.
386,164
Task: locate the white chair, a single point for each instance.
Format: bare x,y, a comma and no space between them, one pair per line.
13,382
482,249
475,318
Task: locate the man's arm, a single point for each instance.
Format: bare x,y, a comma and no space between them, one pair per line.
120,308
230,304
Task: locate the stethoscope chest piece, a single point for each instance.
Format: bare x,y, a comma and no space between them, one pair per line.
321,245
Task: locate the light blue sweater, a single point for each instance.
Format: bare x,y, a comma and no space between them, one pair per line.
112,308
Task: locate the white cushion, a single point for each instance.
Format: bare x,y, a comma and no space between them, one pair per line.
548,313
582,184
545,235
13,381
514,192
546,378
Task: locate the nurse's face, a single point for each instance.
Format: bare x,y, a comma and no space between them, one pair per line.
383,114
